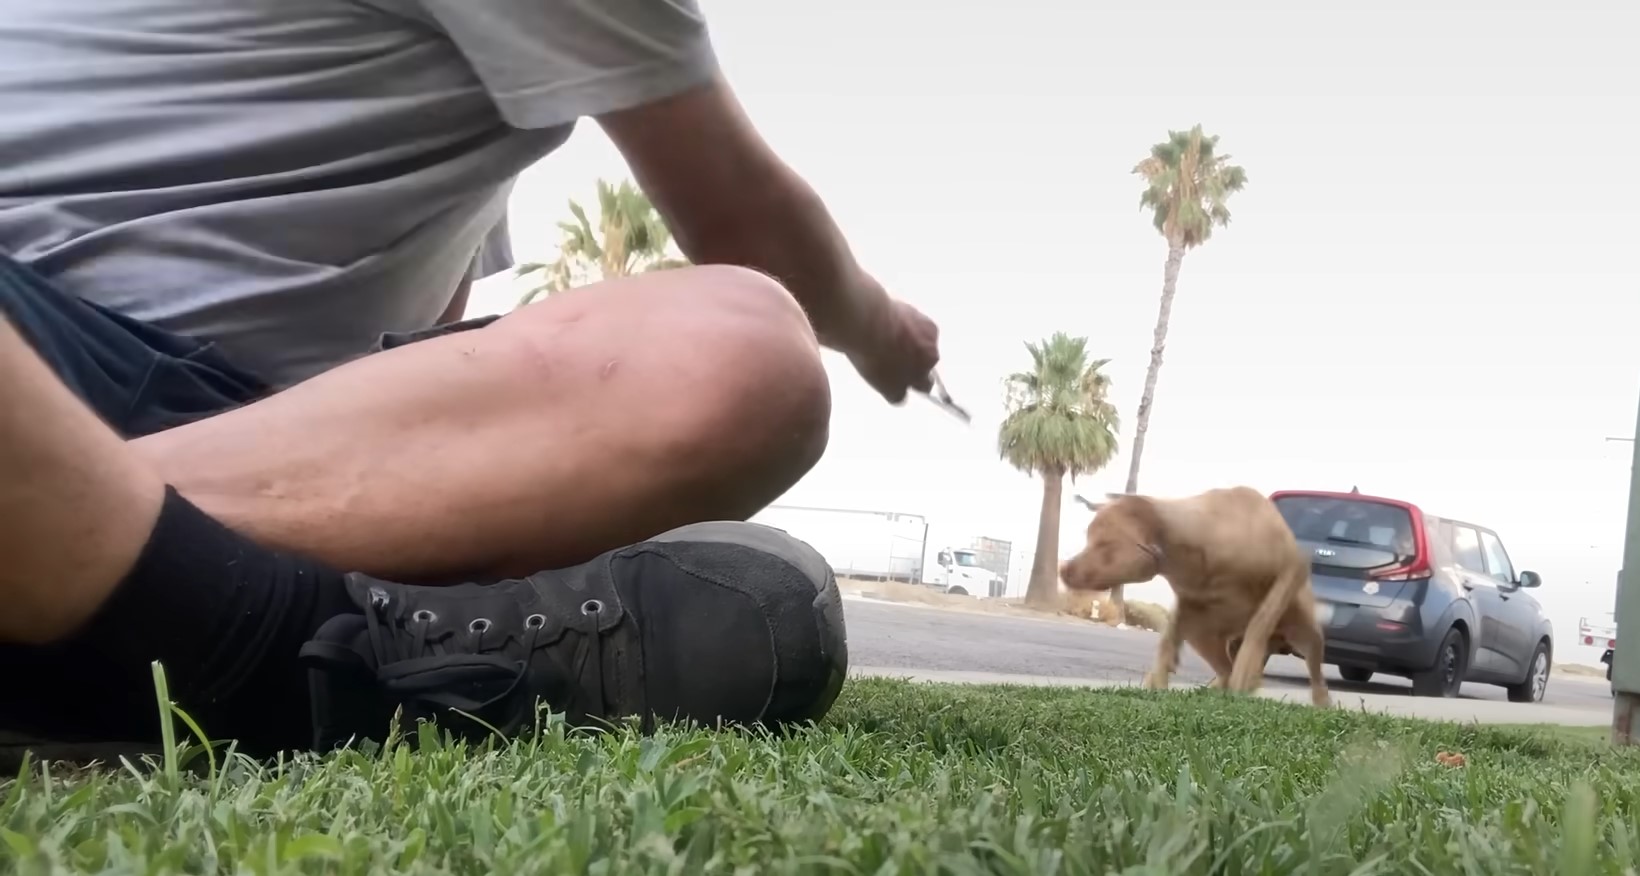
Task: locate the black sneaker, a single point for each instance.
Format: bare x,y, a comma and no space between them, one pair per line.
714,622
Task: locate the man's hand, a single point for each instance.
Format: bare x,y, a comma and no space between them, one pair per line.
893,345
729,199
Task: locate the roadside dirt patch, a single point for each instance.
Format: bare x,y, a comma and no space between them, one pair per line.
1144,615
899,591
1581,671
1073,606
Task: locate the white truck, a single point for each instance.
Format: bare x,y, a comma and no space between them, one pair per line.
1600,633
957,571
865,545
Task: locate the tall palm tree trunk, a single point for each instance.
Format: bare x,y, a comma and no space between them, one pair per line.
1141,423
1043,590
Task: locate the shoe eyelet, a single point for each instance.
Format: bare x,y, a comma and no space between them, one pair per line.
535,621
378,597
423,616
479,625
591,606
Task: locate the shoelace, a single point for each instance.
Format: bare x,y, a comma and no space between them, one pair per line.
431,675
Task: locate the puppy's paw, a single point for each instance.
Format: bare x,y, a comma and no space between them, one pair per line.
1217,683
1246,682
1155,681
1321,699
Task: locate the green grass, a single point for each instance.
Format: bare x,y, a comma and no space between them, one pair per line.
1596,735
901,778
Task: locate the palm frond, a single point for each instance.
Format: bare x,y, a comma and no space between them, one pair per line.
1059,420
1187,185
666,265
629,237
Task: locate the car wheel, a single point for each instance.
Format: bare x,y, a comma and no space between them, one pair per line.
1536,683
1355,674
957,591
1446,676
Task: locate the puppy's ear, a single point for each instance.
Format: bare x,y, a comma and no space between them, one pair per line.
1142,511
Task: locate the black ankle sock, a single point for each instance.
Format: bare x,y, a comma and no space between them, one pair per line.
224,616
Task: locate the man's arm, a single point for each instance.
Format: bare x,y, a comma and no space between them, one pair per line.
646,71
729,199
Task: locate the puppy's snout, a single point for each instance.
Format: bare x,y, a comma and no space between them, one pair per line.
1068,572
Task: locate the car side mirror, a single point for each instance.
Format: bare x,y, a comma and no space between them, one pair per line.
1530,579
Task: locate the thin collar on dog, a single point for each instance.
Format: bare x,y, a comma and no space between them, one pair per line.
1154,550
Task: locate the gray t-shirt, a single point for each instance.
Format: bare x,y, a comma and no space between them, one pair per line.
291,178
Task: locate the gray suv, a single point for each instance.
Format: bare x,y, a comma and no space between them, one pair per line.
1436,600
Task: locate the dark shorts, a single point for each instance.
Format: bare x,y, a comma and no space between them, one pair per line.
138,377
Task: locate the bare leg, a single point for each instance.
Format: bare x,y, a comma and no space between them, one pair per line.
76,505
593,419
1305,635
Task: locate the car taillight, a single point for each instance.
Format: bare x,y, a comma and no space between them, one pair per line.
1418,568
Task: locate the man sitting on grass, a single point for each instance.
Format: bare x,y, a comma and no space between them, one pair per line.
231,426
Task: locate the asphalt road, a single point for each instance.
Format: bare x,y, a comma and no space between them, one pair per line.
894,636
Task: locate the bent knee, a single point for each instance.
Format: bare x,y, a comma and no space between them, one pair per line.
744,323
713,363
750,292
768,380
759,409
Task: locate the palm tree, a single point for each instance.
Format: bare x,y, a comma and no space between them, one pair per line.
1059,423
631,238
1186,186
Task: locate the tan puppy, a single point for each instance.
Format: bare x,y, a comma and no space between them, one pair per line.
1234,567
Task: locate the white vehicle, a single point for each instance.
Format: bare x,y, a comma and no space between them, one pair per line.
864,545
1600,632
957,571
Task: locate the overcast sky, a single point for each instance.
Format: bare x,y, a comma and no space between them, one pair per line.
1427,292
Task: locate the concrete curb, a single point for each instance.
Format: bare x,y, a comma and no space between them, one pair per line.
1463,711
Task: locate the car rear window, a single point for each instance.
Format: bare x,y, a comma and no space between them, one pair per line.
1349,521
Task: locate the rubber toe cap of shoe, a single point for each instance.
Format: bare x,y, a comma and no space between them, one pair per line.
795,592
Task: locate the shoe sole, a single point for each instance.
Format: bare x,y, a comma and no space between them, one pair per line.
799,554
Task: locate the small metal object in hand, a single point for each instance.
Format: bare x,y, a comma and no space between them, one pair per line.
940,396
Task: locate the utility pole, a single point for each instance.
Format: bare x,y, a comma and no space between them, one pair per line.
1626,661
